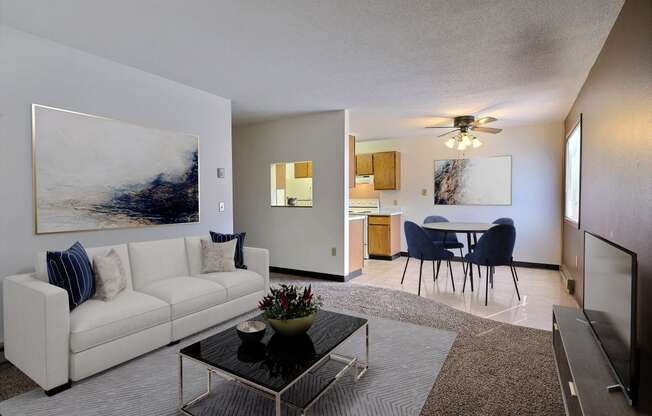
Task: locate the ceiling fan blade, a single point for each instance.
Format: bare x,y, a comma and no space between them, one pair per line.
440,127
487,129
484,120
448,132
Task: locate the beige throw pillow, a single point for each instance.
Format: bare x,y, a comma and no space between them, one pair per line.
218,257
110,276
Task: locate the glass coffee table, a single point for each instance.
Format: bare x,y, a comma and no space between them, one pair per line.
276,364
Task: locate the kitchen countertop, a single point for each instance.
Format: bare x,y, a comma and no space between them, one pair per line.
386,212
356,217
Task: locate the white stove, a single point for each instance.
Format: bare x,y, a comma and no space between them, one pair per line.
364,206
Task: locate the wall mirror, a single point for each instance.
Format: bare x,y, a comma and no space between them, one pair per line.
291,184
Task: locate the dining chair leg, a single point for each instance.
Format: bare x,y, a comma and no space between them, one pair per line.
491,273
470,266
466,270
420,271
486,290
475,242
404,270
450,268
514,268
514,278
438,266
462,259
434,275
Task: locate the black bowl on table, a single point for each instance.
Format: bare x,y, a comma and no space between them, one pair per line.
251,331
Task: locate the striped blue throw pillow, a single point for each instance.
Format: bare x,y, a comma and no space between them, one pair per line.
239,255
71,270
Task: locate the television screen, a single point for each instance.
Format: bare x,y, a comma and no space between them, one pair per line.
609,305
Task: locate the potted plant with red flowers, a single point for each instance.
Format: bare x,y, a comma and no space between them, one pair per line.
290,309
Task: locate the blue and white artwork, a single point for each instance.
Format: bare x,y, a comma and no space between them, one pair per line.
93,173
475,181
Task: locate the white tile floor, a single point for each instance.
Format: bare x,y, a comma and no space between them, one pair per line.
540,289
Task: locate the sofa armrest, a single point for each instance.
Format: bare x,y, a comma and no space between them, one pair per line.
37,329
257,260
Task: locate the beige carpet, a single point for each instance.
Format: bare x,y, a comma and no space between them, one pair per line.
492,369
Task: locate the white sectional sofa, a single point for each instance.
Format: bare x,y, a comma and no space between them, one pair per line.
167,299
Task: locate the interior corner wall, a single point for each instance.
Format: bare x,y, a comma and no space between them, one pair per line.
536,182
297,238
616,172
35,70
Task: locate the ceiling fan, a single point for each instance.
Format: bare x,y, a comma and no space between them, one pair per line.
465,124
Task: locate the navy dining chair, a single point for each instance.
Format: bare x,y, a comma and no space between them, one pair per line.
421,247
504,220
438,236
495,248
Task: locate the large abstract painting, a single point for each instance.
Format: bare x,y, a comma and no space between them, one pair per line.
93,173
477,181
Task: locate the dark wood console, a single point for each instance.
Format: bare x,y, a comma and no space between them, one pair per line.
584,372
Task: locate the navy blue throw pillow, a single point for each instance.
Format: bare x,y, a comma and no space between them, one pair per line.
71,270
239,255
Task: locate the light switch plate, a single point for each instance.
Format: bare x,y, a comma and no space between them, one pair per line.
221,206
334,251
424,192
220,172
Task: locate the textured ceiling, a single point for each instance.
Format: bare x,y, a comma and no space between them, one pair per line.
396,64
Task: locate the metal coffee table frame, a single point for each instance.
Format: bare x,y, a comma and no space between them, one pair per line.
359,369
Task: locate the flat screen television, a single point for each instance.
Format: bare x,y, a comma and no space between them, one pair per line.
610,307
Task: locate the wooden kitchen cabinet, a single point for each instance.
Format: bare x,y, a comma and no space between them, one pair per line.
356,246
387,170
303,170
280,175
351,161
364,164
384,236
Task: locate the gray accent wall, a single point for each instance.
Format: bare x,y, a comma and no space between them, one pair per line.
35,70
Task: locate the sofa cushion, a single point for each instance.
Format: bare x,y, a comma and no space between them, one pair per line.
157,260
121,249
217,257
238,283
97,322
187,295
193,249
239,237
71,270
110,276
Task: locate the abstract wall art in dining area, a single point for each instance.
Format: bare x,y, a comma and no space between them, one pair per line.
93,173
475,181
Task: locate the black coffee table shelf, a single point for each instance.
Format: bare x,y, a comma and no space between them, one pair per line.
272,367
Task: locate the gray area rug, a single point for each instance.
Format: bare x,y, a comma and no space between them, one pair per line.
404,362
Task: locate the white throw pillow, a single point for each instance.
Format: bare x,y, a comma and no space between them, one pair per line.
218,257
110,276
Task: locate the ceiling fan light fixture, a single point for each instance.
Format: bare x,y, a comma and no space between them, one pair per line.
476,143
450,143
461,145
